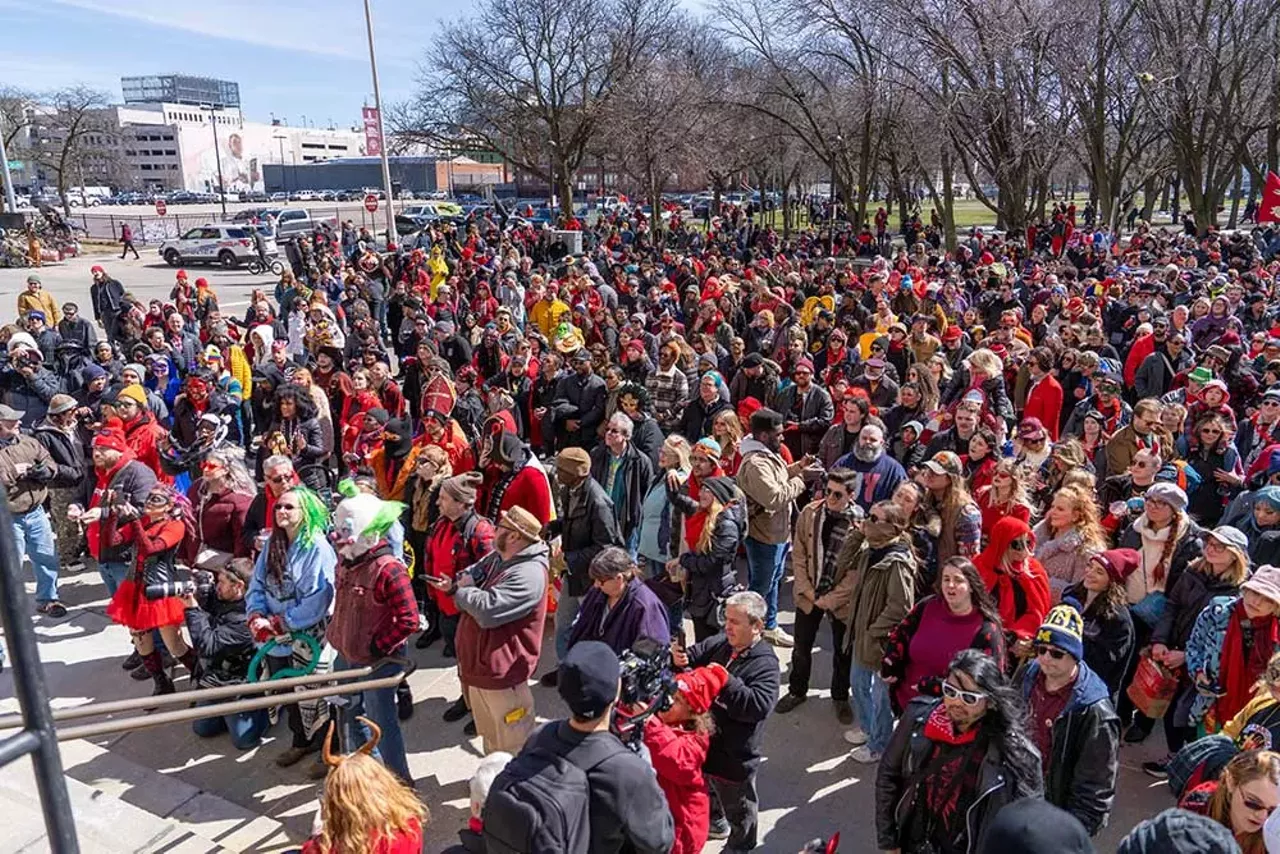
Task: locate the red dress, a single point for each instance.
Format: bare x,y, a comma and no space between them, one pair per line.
129,606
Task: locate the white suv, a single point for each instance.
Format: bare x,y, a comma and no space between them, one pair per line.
228,244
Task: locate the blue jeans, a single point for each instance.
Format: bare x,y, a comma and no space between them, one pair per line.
379,706
246,728
633,543
870,695
765,565
34,536
113,574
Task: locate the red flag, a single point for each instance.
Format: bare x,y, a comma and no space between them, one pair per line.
1269,210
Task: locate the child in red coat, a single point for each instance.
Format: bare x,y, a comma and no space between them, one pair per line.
678,740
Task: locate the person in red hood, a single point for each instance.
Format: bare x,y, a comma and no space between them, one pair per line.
678,740
513,477
1017,581
140,429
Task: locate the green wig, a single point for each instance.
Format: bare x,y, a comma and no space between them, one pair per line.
315,516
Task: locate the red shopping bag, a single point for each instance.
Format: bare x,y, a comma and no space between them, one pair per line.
1153,688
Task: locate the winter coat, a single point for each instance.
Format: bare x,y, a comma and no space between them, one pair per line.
1022,597
1185,550
883,592
1045,402
636,472
815,416
807,557
221,638
499,637
30,395
770,491
1086,744
588,525
132,482
742,705
647,438
698,417
1064,557
711,574
1154,376
638,614
220,519
896,790
677,756
1108,638
67,453
1187,596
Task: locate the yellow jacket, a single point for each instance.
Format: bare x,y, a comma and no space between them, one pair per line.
546,315
42,301
241,370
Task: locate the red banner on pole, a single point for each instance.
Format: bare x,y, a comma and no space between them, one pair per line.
1269,210
372,132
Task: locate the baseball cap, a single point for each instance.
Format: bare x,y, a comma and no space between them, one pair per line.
588,679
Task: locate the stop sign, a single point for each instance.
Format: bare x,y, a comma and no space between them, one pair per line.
161,207
371,203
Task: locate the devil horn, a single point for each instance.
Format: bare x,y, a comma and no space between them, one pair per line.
327,751
375,735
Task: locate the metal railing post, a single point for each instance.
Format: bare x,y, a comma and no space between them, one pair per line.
38,737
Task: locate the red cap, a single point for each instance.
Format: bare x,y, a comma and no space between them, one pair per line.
181,274
700,686
953,333
112,440
97,268
202,282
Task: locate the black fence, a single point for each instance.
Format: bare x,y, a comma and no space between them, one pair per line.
152,229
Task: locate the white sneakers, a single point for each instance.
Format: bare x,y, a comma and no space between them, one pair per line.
856,737
865,755
778,637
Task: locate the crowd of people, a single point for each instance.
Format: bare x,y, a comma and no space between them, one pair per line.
1032,484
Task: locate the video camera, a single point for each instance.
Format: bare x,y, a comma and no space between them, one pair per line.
648,687
199,585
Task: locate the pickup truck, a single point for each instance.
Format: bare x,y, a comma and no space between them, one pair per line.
290,221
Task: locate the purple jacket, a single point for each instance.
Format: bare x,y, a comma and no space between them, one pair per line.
638,614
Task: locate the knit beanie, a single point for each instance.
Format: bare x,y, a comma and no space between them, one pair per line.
1177,831
1035,826
463,487
1119,563
1063,628
700,686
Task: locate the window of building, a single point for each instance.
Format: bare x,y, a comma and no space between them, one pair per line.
170,152
145,167
173,167
168,138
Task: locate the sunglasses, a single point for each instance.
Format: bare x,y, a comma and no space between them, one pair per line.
969,698
1254,805
1019,545
1053,652
283,506
279,478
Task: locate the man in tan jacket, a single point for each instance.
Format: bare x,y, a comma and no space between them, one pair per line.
771,487
823,586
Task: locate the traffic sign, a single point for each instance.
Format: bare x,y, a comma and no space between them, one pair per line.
161,207
371,203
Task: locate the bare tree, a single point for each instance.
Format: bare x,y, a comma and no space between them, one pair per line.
533,79
73,134
1203,86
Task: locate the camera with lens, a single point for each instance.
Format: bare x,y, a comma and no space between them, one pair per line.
648,687
198,585
28,358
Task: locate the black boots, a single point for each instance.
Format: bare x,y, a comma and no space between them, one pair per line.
155,667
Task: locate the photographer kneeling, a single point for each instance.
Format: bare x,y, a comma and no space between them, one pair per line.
221,637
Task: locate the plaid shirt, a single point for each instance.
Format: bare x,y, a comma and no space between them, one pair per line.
669,394
394,589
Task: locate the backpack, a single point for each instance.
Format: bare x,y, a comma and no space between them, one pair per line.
541,802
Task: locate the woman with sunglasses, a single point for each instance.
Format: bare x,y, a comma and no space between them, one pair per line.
1210,452
221,499
1219,572
1005,496
1242,799
954,762
289,595
959,614
156,530
1017,582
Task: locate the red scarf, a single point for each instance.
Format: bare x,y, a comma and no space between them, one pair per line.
1238,675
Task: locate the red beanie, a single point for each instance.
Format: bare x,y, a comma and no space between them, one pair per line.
1119,563
112,440
700,686
747,407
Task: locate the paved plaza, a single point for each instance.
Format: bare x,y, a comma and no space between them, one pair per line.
164,789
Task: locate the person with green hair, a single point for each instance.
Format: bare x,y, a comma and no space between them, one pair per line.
289,596
374,613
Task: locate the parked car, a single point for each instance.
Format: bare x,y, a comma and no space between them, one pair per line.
278,197
228,244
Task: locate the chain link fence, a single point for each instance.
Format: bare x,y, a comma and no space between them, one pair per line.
152,229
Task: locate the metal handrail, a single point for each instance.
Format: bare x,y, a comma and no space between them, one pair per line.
272,690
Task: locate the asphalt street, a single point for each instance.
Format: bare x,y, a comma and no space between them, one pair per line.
809,786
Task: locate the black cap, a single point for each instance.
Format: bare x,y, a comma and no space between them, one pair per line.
753,360
1176,831
765,419
1032,826
588,679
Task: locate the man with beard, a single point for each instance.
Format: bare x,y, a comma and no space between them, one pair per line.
880,389
668,389
956,438
755,378
578,407
822,587
1155,375
1138,435
875,475
1106,400
808,410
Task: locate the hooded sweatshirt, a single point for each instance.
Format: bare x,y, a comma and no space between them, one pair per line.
1022,594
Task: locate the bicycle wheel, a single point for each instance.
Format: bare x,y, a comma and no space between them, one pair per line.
255,267
277,268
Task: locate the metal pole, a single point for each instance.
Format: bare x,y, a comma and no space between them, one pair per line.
33,697
11,203
217,158
382,138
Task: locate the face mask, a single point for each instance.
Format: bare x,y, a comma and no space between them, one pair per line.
878,534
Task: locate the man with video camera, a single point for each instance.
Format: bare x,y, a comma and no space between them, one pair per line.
25,471
220,635
574,786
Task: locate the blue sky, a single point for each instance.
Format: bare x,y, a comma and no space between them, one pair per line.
290,57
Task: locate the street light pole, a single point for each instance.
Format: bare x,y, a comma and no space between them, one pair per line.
217,156
382,139
10,203
831,214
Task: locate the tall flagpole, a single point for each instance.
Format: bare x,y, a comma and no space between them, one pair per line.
382,138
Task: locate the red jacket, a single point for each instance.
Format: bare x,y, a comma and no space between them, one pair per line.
677,756
1024,609
1141,349
1045,402
142,434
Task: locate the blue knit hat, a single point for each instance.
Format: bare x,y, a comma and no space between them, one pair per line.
1063,628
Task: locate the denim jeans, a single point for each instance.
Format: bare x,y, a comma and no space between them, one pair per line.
870,696
113,574
633,543
379,706
246,728
34,536
765,565
566,613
